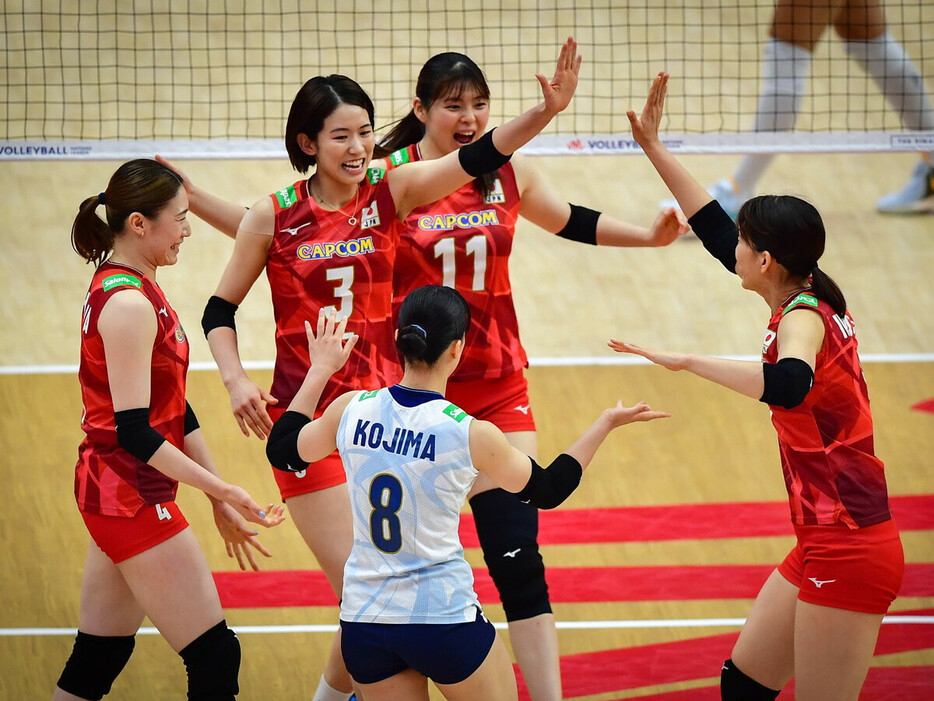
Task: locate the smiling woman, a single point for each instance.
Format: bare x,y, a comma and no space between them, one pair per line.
142,439
329,243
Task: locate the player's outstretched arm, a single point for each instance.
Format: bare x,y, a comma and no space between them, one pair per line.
546,488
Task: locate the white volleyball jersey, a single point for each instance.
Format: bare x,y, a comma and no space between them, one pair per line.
407,457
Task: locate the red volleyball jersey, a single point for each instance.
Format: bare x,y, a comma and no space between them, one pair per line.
464,241
831,472
108,480
318,259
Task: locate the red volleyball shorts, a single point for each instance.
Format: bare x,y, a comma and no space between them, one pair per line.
503,402
121,538
328,472
855,569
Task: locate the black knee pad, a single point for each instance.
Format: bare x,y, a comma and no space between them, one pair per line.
94,664
508,533
736,686
213,663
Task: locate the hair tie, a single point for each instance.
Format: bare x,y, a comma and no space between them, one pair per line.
100,198
419,328
813,267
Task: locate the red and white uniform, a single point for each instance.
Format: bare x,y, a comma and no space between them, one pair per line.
317,259
832,474
108,480
464,241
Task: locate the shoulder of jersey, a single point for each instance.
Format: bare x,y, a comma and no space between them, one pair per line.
286,197
452,411
804,298
121,280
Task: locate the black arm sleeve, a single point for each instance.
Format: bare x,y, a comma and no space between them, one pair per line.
218,312
547,488
581,226
136,435
282,444
717,232
191,421
481,156
787,382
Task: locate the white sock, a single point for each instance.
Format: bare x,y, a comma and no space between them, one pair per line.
899,79
326,692
785,71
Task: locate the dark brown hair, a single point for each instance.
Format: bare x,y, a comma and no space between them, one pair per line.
792,231
444,75
143,185
313,104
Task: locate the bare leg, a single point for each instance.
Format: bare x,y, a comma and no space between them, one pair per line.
534,640
107,604
833,651
324,521
765,648
173,584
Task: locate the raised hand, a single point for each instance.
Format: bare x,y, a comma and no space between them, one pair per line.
558,91
645,127
326,348
667,359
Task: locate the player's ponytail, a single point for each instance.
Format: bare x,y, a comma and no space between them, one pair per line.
430,320
792,230
142,185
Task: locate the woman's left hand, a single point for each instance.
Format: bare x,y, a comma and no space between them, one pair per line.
239,538
559,91
326,348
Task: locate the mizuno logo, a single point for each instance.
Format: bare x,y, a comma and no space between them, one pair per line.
523,409
512,553
295,230
821,582
163,311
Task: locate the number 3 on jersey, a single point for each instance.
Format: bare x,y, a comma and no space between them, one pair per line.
344,279
476,247
386,500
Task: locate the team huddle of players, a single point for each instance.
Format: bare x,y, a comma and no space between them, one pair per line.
399,394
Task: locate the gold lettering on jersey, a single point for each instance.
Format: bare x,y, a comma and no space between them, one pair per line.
341,249
464,220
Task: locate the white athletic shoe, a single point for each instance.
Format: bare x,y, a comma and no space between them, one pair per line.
915,196
722,191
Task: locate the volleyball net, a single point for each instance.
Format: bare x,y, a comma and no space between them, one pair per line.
215,78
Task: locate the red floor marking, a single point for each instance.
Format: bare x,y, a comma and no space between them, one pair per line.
882,684
927,405
606,671
687,521
276,589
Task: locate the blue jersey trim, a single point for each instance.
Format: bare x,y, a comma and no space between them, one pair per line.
409,397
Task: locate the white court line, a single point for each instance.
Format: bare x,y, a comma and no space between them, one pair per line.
534,362
561,625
